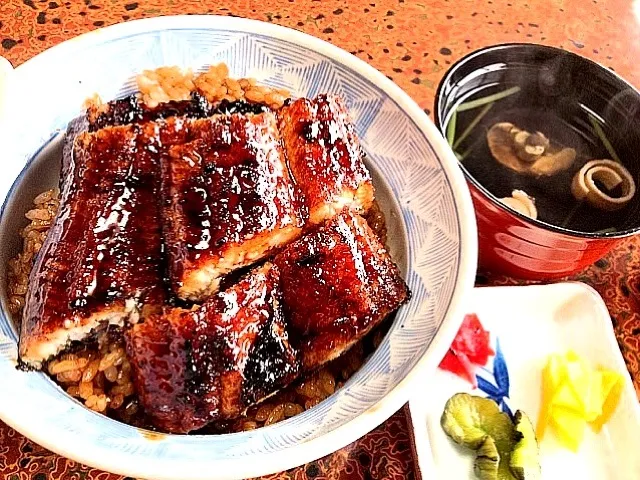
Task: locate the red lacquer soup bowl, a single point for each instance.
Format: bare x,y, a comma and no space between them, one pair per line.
563,95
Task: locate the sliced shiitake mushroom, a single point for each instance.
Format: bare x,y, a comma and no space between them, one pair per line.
526,152
529,147
596,181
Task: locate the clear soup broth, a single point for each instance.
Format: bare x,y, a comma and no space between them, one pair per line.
566,123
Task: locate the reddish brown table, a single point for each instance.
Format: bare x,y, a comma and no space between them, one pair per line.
412,42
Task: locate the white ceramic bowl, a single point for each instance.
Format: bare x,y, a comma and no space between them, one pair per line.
429,215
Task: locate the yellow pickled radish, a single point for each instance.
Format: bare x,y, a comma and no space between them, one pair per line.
611,391
556,371
578,373
553,375
569,427
593,403
565,397
573,395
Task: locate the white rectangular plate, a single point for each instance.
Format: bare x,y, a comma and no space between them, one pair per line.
530,323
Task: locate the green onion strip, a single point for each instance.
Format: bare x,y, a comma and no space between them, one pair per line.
479,102
603,138
472,125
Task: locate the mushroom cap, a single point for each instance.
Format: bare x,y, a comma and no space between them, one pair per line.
500,139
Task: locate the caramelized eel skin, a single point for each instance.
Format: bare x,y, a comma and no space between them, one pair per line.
211,363
104,248
325,157
320,295
338,282
229,200
130,109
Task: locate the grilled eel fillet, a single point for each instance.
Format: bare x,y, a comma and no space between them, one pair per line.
318,297
338,282
193,367
228,200
325,157
101,260
130,110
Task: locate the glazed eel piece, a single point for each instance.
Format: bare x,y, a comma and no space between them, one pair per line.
194,367
338,282
130,110
228,200
101,260
317,297
247,184
325,156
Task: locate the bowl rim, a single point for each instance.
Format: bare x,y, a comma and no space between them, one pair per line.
128,463
481,188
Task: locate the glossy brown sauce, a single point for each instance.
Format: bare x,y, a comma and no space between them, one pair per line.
105,244
324,154
119,255
229,182
130,110
336,285
230,187
212,363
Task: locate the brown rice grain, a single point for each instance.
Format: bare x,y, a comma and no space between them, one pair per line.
101,404
249,425
263,412
111,373
85,390
38,214
254,95
311,403
91,371
292,409
108,360
233,86
98,381
116,401
275,416
327,381
308,389
123,377
126,389
44,197
74,391
70,376
91,401
62,366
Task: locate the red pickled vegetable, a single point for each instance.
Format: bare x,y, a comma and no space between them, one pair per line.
469,349
473,340
459,365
